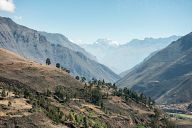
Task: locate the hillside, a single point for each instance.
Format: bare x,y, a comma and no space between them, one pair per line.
37,95
33,45
166,76
15,67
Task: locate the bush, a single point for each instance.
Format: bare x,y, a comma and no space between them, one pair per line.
58,65
48,61
3,93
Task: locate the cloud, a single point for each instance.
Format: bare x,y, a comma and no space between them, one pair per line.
18,18
7,5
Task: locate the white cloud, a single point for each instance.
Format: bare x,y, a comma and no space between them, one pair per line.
18,18
7,5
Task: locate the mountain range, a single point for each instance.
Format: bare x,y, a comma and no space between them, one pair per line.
166,75
125,56
38,46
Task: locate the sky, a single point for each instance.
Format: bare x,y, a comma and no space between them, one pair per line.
85,21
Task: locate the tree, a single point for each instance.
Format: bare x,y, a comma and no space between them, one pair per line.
3,93
103,82
26,93
48,93
101,105
83,79
85,125
119,92
63,68
58,65
99,82
77,77
48,61
114,86
142,97
59,92
96,96
9,103
157,113
67,70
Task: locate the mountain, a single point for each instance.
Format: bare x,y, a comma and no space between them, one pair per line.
100,49
127,71
34,45
111,54
41,96
167,75
124,73
59,39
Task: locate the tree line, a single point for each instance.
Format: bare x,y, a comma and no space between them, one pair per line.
58,65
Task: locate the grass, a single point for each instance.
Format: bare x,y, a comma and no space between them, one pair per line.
181,115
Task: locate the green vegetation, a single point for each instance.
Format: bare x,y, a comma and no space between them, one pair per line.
77,77
3,93
80,120
83,79
9,103
130,94
48,93
58,65
181,115
85,125
48,61
92,92
64,69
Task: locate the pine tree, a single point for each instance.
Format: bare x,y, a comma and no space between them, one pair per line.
3,93
58,65
48,61
9,103
77,77
83,79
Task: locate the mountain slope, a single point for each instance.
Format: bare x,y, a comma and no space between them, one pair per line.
167,75
127,71
49,97
55,38
132,53
15,67
31,44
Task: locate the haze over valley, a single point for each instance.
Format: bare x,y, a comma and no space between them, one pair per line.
127,55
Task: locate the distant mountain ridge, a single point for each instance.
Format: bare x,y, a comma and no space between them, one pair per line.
59,39
123,57
136,66
34,45
167,75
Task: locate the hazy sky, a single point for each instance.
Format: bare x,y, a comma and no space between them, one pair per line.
87,20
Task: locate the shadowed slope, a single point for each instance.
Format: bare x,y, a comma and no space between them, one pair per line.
167,75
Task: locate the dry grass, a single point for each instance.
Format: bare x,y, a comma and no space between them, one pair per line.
96,109
16,104
38,76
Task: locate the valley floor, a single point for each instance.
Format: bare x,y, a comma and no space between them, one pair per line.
178,114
